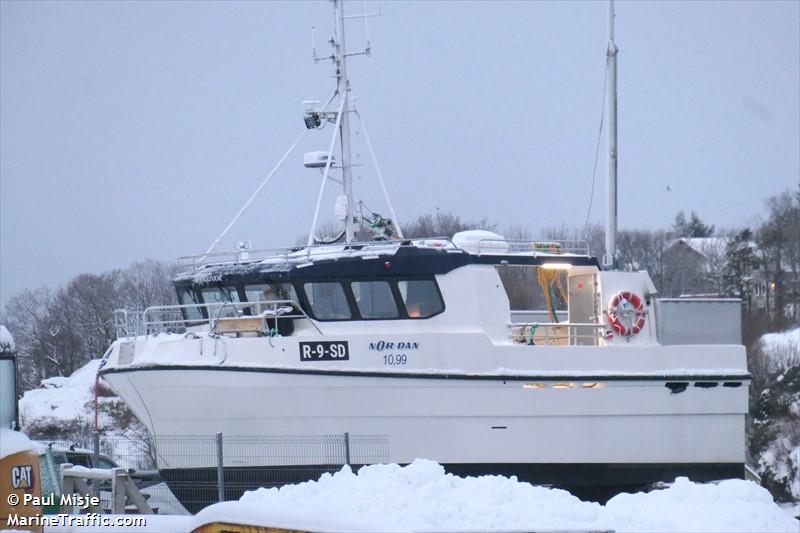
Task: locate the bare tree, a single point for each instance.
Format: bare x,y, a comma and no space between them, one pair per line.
26,318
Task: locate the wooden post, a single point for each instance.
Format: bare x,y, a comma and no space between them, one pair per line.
119,496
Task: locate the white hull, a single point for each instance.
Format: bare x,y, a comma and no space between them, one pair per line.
451,420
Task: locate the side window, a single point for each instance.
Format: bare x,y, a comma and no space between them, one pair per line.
216,296
187,297
267,292
79,459
375,299
421,297
105,463
327,300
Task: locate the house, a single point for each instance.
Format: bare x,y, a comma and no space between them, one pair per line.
693,266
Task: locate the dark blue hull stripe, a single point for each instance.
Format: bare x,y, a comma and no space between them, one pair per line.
430,375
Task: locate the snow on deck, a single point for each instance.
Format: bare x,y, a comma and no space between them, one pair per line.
422,497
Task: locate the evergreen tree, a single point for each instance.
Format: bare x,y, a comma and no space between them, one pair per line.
694,227
740,261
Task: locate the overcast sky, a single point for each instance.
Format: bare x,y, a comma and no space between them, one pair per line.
136,130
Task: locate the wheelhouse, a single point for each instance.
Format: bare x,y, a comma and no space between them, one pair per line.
361,282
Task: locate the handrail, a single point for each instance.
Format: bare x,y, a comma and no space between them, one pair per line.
307,253
159,318
299,253
534,247
543,332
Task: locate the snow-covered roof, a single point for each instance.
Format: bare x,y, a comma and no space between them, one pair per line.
705,246
212,267
6,340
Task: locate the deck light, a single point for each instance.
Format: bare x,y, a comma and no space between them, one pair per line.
556,266
594,385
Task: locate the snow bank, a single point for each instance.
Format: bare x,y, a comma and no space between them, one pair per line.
422,497
71,398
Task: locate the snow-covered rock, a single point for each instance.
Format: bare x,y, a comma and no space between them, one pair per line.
422,497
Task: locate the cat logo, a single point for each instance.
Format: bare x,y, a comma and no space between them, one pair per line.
22,477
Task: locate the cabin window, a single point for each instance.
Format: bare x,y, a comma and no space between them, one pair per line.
187,297
421,298
267,292
374,299
328,301
216,296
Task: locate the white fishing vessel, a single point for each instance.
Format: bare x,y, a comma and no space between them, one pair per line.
414,341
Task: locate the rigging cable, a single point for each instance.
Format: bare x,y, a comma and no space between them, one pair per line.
377,169
253,197
596,155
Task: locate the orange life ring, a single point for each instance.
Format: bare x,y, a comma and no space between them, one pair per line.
626,313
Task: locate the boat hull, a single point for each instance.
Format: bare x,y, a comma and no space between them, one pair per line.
471,420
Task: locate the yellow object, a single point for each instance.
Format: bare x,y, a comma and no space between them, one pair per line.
551,278
218,527
20,481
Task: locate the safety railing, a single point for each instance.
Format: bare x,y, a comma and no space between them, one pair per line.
235,318
302,253
127,323
556,333
535,248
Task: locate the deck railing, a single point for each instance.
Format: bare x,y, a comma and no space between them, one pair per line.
528,247
556,333
226,317
192,263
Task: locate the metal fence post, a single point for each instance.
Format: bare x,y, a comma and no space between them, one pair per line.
346,448
95,459
220,472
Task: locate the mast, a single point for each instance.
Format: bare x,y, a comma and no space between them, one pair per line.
343,88
609,259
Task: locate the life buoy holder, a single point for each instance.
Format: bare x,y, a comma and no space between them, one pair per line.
626,313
